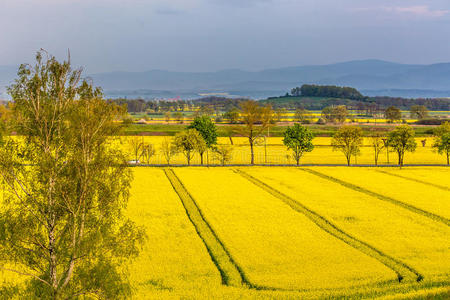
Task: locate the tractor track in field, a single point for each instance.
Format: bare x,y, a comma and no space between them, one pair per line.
400,268
230,272
415,180
379,196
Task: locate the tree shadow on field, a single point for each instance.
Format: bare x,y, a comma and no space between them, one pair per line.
158,284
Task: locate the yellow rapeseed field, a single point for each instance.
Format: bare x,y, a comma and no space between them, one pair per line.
286,117
279,248
419,242
174,257
427,175
422,196
272,151
275,246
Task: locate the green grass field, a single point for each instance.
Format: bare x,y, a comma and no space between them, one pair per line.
172,128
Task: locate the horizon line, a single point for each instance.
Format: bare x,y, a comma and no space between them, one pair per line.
257,70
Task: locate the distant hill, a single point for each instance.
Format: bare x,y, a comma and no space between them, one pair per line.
378,78
380,102
310,103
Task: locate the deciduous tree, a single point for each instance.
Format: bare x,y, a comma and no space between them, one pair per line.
401,140
179,117
280,113
348,140
377,143
302,115
256,120
393,114
188,142
137,147
205,110
66,186
442,129
298,139
442,141
168,149
148,151
340,113
167,116
208,131
223,153
418,112
5,118
337,114
232,116
327,114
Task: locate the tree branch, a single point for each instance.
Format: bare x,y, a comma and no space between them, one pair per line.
26,274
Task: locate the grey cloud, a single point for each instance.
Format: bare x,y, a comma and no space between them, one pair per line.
423,11
207,35
168,11
241,3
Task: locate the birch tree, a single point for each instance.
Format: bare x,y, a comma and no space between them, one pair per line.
65,188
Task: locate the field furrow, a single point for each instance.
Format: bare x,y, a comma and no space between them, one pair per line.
421,243
402,270
274,245
370,183
174,260
283,253
436,177
231,275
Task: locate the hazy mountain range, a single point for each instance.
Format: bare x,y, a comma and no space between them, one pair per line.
372,77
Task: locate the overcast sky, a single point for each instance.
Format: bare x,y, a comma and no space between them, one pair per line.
209,35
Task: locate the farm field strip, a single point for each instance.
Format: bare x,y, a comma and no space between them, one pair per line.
174,260
445,188
402,269
175,264
230,272
432,293
369,191
275,246
435,175
419,242
277,153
